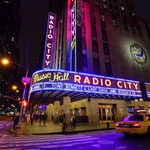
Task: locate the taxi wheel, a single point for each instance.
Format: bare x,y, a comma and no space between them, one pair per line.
148,131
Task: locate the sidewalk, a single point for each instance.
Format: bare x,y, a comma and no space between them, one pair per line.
51,128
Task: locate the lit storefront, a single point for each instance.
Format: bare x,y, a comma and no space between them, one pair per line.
99,98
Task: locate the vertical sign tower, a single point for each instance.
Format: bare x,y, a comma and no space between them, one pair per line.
49,42
73,53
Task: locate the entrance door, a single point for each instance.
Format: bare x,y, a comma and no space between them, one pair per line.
106,113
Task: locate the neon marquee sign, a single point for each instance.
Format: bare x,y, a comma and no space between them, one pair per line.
48,54
80,82
73,36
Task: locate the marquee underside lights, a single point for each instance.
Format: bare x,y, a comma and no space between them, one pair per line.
48,54
61,80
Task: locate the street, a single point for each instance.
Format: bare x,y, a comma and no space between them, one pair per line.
104,140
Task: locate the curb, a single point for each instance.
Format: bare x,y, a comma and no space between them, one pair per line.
72,132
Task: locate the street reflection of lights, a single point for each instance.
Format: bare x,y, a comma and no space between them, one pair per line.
17,91
141,99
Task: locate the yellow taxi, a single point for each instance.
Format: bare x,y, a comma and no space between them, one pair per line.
137,123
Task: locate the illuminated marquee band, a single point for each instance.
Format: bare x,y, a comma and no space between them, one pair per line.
147,86
47,62
80,82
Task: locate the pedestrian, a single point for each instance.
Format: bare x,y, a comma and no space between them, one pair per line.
16,120
74,121
28,118
40,117
31,118
44,118
71,121
64,123
107,123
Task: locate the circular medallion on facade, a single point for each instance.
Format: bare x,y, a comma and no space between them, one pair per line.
138,53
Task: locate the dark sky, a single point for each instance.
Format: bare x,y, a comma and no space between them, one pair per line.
34,18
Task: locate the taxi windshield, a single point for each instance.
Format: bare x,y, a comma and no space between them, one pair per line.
134,118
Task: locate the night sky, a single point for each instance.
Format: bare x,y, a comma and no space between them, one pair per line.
34,18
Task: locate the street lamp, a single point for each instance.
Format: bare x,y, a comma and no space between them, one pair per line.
5,62
14,87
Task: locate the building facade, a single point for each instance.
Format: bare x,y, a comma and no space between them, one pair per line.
97,37
9,31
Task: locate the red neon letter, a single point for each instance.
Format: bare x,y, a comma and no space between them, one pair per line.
86,80
125,86
129,83
107,82
77,78
118,84
50,26
135,85
101,82
95,81
49,45
50,36
52,17
47,62
51,22
48,56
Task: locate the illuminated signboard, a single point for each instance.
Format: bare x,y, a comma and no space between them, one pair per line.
81,82
147,86
73,36
48,54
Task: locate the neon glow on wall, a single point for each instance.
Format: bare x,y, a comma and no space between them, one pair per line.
73,36
81,82
147,86
49,42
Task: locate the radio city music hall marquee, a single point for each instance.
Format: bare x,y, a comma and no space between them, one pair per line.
49,42
81,82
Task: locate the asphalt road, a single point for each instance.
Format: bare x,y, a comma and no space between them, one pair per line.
101,140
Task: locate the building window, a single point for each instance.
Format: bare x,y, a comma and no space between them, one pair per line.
83,28
102,18
83,43
114,20
130,109
95,55
84,61
104,35
106,49
96,66
132,28
108,69
96,2
124,21
84,52
94,33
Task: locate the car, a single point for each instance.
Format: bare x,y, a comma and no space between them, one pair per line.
138,123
